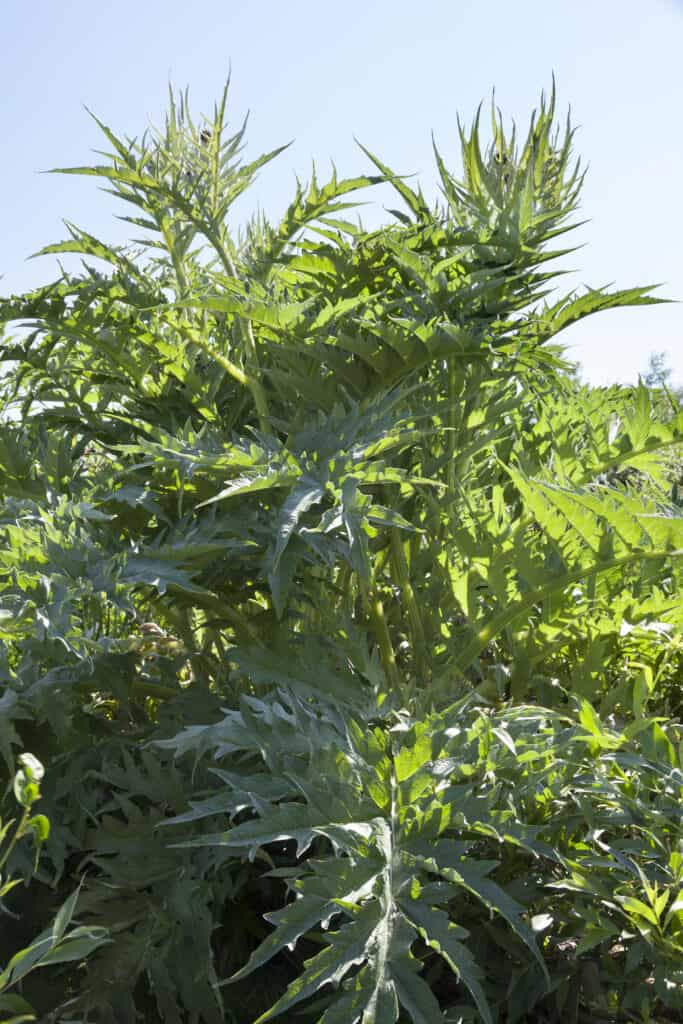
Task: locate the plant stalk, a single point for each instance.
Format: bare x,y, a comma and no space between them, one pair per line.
383,637
402,576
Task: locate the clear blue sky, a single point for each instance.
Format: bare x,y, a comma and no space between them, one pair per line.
387,71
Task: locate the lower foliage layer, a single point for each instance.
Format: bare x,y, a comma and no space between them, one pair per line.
506,866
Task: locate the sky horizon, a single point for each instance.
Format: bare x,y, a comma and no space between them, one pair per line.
388,74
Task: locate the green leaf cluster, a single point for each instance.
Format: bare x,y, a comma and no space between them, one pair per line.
55,945
344,617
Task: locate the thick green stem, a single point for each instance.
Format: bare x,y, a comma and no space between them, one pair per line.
157,691
402,578
252,379
381,631
230,368
179,270
260,400
247,380
247,330
18,832
451,439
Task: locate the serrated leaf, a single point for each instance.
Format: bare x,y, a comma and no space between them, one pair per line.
346,949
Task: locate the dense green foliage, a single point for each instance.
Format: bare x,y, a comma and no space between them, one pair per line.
345,620
55,945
